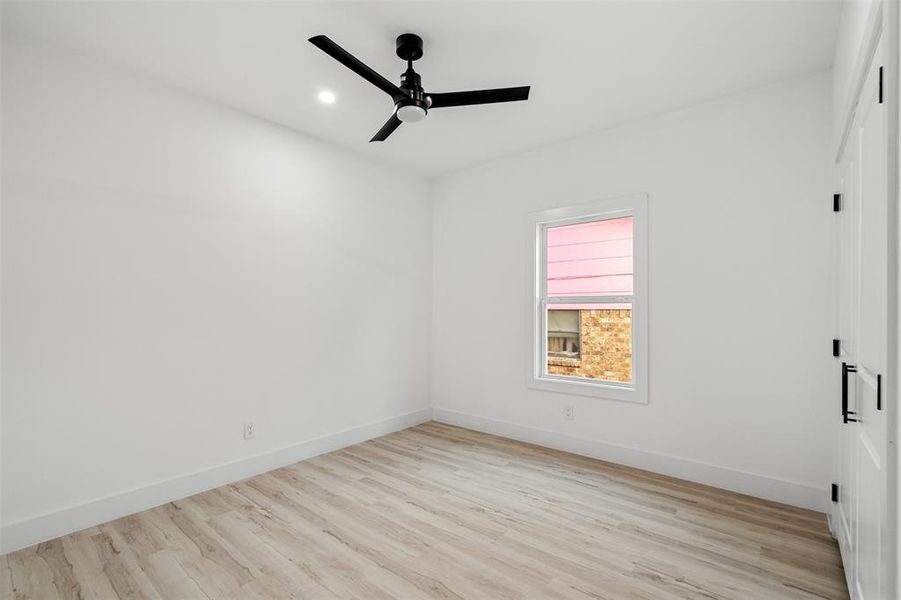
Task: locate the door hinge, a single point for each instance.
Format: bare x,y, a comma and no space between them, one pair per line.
880,85
836,202
878,392
836,348
835,492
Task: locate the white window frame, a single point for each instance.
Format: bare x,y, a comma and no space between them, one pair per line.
635,206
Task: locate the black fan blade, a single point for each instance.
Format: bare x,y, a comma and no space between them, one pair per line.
445,99
387,129
348,60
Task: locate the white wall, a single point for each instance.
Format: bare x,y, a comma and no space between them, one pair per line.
741,298
172,269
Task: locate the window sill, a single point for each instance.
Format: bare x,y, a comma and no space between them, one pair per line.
596,389
560,361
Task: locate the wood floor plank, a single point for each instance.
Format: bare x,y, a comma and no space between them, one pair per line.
6,584
436,511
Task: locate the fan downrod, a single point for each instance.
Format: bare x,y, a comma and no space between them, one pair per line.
409,46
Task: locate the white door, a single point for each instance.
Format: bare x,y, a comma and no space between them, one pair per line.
860,515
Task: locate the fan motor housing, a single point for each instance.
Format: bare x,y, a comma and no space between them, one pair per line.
411,83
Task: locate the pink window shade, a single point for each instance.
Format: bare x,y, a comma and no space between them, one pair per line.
590,259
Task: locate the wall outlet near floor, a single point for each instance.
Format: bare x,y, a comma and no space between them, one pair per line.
249,430
569,413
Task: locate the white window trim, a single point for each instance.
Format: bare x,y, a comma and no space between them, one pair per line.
636,206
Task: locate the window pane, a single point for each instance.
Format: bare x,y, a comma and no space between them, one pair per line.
590,259
592,341
563,328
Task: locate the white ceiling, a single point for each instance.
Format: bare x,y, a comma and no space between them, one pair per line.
591,65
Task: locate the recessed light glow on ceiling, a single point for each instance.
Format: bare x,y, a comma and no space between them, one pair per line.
327,97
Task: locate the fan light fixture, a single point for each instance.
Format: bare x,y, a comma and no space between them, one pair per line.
411,113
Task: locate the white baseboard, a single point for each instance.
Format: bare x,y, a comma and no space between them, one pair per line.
48,526
795,493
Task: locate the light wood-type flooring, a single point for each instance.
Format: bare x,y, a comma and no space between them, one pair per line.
441,512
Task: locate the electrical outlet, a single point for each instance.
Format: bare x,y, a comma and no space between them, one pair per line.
569,413
249,430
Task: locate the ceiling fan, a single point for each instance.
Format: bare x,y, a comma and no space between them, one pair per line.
411,102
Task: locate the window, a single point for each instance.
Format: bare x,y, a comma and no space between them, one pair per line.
589,301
